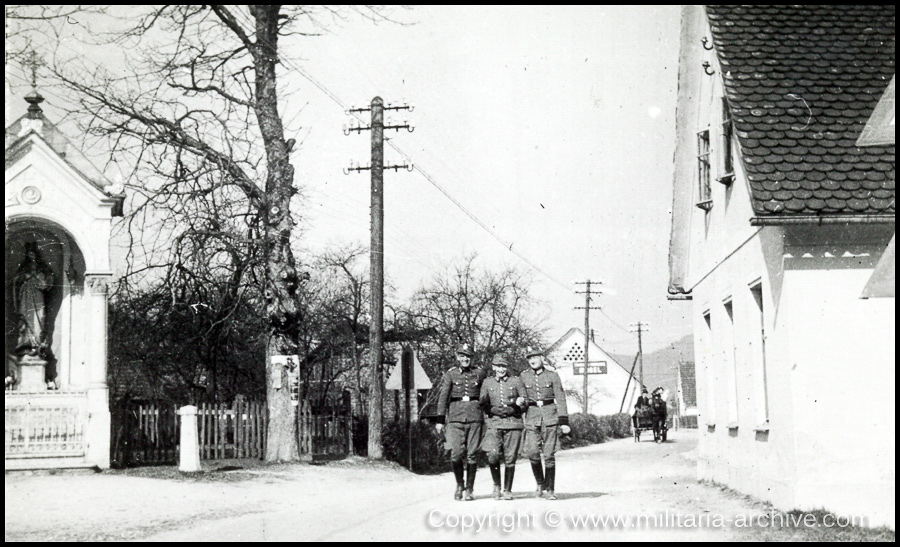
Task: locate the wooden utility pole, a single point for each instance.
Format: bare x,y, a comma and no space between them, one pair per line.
640,328
376,272
376,255
407,384
587,330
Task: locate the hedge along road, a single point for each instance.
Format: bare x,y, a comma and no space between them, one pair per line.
358,501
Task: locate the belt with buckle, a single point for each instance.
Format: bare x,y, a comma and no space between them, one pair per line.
543,402
465,399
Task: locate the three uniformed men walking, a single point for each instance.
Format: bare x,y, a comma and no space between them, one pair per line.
537,395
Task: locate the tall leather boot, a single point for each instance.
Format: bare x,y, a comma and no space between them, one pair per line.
508,475
550,484
495,474
458,473
470,480
538,471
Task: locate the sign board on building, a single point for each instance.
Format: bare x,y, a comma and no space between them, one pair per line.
594,367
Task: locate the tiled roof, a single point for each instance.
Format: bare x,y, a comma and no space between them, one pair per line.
688,383
801,82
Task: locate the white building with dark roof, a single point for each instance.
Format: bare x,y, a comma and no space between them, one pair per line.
780,218
611,387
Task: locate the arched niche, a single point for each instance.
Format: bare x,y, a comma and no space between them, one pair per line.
63,300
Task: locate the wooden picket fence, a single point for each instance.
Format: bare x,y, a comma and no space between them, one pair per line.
324,435
150,433
144,434
232,431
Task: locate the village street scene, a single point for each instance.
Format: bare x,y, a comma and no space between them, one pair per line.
439,273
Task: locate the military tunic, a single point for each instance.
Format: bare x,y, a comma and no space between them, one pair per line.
504,421
458,405
546,410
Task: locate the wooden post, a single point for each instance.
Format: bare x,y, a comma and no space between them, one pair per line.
203,454
376,309
587,342
215,419
223,430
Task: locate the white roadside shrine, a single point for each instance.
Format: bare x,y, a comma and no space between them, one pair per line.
58,215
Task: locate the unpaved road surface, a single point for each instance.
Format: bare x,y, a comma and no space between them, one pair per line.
651,488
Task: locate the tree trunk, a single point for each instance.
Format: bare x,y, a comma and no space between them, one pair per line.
281,274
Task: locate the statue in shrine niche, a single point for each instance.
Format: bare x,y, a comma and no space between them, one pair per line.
31,295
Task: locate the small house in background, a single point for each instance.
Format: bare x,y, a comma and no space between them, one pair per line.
780,217
686,400
611,387
353,384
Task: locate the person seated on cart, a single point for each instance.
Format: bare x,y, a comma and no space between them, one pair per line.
641,407
658,411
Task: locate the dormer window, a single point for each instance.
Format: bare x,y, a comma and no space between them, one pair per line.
726,159
705,195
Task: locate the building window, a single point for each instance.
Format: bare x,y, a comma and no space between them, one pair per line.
705,196
711,371
726,159
759,353
730,354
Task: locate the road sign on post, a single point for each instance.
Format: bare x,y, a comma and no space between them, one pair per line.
408,377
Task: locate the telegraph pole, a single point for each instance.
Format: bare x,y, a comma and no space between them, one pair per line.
376,254
640,328
587,331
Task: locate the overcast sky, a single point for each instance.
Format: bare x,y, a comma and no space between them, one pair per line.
553,125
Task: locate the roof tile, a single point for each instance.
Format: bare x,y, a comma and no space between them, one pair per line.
801,83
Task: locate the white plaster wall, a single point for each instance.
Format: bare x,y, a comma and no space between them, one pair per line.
745,457
842,363
830,359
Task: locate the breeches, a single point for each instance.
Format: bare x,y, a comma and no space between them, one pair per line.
502,442
542,440
464,440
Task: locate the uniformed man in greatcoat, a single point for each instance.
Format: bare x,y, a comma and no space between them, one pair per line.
459,407
503,399
546,416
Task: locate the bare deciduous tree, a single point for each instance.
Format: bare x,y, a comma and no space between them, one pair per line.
493,311
187,98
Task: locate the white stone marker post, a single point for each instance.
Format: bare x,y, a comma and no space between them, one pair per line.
189,459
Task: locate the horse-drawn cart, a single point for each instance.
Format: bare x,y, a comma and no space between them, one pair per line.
644,422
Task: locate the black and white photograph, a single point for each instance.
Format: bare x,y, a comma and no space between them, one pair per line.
449,273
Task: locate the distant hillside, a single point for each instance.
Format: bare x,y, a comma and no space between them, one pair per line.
659,366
